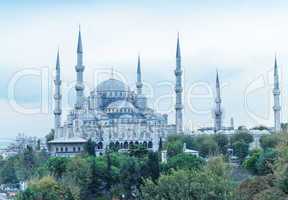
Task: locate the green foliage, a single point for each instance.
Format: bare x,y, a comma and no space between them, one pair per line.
241,149
222,142
174,146
269,141
89,147
183,161
188,185
261,162
207,146
8,173
242,135
138,151
130,177
265,162
251,187
57,166
217,166
152,167
45,189
250,163
50,136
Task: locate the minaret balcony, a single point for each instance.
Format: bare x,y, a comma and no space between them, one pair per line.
276,108
276,92
178,106
57,82
79,86
178,89
139,85
57,96
57,112
178,72
79,68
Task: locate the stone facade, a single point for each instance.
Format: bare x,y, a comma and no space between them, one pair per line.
113,115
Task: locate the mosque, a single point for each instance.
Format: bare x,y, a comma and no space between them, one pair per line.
114,116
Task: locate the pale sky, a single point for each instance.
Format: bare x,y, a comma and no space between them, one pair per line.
239,38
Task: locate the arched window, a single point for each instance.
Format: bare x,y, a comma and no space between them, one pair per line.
66,149
111,145
145,144
79,149
150,145
100,145
126,145
74,149
131,144
57,149
61,149
117,145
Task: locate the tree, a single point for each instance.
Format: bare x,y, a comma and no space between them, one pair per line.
89,147
130,178
250,163
174,148
269,141
7,173
57,166
183,161
243,135
90,189
206,146
152,168
45,189
222,142
25,164
188,185
240,149
138,151
250,187
50,136
265,162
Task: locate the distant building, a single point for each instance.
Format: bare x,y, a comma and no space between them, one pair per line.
113,115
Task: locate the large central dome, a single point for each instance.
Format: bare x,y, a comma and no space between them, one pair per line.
112,85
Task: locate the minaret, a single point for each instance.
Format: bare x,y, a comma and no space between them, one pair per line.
276,94
218,110
139,83
57,95
79,87
178,91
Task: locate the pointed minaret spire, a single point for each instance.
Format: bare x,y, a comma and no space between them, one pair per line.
178,90
178,52
57,96
79,46
79,87
139,83
218,109
58,60
218,86
276,94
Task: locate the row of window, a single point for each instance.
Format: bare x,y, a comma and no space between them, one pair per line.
126,145
122,110
115,94
67,149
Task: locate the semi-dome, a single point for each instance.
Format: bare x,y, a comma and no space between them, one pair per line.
112,85
120,106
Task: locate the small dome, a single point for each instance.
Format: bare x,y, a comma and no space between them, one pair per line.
112,85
